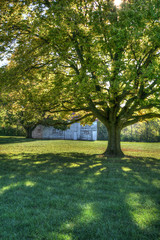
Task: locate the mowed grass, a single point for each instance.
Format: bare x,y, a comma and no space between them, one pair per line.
64,190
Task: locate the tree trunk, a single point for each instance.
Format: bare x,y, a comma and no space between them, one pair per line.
114,146
28,132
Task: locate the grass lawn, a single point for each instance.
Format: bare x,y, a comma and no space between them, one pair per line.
63,190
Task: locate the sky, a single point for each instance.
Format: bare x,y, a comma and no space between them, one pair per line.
117,2
4,62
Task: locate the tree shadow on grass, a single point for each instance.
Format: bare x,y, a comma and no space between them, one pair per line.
11,140
77,196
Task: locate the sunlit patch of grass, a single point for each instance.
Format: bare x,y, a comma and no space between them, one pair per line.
156,183
126,169
61,190
11,186
59,236
95,165
29,183
87,213
141,149
146,216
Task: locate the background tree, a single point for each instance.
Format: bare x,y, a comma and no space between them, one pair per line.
28,105
102,133
148,131
105,59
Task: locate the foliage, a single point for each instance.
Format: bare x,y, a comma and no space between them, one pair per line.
103,60
12,130
28,105
142,132
102,133
148,131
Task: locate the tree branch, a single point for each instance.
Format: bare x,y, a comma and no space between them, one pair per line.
96,112
141,118
37,66
79,119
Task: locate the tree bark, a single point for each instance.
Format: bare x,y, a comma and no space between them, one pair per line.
29,130
114,146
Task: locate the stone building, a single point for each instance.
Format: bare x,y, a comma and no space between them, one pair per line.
75,132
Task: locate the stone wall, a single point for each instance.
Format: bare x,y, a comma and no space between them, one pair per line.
75,132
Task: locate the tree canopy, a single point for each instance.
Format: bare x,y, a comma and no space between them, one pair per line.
102,60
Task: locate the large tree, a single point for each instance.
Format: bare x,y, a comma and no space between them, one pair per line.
104,58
